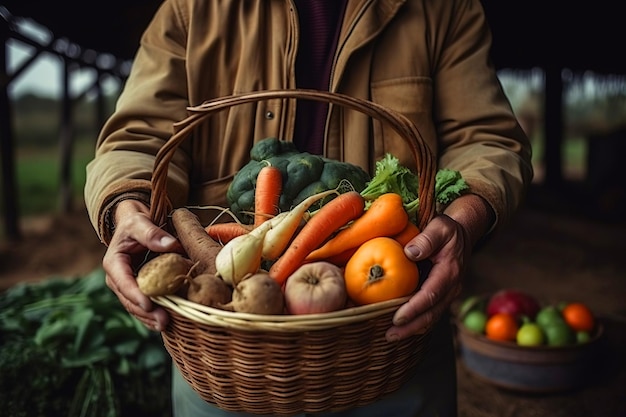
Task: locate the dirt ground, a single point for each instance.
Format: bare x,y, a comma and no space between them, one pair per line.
554,255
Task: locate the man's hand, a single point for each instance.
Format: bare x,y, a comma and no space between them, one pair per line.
134,236
447,242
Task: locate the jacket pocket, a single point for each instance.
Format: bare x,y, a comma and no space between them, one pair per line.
413,98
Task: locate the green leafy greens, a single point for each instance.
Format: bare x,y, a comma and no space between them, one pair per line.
83,354
392,177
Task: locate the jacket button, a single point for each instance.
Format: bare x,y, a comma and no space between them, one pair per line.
269,115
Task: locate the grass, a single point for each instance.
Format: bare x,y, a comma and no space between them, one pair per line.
38,174
38,179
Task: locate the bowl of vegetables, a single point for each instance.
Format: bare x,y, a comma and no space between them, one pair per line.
511,340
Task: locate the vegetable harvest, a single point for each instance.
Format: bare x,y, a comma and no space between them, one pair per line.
320,231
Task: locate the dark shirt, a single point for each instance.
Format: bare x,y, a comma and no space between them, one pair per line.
320,22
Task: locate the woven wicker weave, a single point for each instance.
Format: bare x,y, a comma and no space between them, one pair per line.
289,364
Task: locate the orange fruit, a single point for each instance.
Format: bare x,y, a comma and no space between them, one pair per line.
501,327
579,317
380,271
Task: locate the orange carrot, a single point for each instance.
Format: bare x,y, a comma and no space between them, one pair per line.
407,234
341,259
225,232
385,217
269,186
326,221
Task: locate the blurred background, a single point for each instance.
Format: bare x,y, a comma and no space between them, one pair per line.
62,75
63,64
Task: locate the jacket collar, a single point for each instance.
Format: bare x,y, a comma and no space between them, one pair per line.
363,21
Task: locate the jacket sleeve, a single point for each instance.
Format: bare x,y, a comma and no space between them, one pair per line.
153,98
478,132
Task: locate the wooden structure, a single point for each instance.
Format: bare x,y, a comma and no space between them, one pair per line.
116,63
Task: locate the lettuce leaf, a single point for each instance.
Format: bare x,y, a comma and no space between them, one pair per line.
392,177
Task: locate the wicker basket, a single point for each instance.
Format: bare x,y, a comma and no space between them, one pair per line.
290,364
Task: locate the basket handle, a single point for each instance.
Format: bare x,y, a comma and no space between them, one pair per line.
425,163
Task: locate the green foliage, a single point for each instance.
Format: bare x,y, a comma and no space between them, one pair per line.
393,177
449,184
82,353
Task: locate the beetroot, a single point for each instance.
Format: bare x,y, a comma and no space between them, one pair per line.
512,301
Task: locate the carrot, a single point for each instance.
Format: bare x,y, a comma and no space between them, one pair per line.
269,187
285,225
198,245
341,259
407,234
385,217
326,221
225,232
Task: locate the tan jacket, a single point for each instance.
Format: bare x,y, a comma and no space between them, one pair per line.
428,59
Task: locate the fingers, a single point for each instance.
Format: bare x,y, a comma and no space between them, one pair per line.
431,239
137,304
139,229
420,323
443,244
134,236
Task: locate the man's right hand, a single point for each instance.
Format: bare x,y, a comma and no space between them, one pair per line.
134,236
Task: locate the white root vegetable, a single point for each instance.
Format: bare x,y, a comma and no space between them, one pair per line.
285,225
242,255
257,294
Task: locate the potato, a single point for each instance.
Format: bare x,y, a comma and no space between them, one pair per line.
257,294
209,290
163,275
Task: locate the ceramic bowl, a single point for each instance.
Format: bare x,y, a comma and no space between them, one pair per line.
536,369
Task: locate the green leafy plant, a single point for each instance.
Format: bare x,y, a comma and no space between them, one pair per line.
81,352
392,177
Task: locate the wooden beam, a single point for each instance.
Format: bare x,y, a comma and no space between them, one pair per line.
7,146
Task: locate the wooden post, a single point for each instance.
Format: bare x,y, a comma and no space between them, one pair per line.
9,187
66,142
553,120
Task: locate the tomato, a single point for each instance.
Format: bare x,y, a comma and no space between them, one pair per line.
475,321
501,327
530,334
380,271
578,316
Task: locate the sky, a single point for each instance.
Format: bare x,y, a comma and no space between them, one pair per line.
43,76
